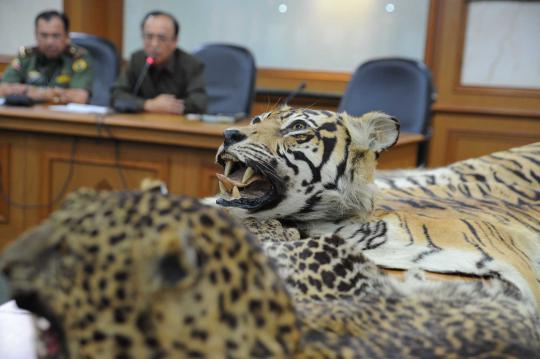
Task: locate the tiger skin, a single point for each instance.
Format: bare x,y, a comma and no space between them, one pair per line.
315,172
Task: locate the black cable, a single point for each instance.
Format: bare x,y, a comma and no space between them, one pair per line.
119,165
100,124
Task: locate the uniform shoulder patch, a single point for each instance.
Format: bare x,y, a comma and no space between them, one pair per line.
16,64
63,79
25,51
34,75
76,51
79,65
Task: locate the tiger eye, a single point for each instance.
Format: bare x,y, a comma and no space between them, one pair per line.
299,126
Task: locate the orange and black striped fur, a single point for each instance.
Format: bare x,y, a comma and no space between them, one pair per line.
478,217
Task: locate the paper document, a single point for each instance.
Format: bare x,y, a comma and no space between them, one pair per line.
223,118
80,108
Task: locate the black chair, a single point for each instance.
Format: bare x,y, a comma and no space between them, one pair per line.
230,78
104,64
400,87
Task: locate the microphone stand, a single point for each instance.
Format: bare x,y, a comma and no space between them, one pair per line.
129,105
294,93
148,62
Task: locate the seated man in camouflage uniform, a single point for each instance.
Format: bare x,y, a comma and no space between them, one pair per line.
54,70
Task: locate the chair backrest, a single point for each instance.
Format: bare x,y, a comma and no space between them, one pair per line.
104,64
399,87
230,78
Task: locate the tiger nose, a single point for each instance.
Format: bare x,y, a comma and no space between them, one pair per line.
232,136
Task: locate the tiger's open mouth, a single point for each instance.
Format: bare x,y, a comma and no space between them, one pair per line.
247,185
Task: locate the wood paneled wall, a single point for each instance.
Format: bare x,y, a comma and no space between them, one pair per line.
103,18
316,81
4,181
324,88
470,121
4,62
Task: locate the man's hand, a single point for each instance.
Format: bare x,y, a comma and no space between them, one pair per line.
165,103
74,95
45,94
12,89
57,94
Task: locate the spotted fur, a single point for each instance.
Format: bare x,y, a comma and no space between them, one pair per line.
145,275
150,275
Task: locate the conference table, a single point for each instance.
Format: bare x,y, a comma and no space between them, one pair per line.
45,154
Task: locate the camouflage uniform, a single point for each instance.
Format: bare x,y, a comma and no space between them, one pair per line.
70,70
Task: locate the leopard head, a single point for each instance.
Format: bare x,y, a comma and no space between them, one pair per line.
146,274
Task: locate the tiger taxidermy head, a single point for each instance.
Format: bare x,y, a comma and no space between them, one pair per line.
302,164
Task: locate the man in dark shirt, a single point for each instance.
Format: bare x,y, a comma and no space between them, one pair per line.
174,80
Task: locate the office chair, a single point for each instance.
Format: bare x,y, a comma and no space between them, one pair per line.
230,78
104,64
399,87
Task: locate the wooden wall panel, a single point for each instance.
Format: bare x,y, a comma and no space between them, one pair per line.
267,102
5,170
461,136
194,172
103,18
62,174
93,164
4,62
209,183
323,89
404,158
12,158
316,81
470,121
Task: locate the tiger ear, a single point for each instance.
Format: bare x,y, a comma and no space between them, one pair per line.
376,131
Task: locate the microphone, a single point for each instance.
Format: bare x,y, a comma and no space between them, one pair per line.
129,105
148,62
294,93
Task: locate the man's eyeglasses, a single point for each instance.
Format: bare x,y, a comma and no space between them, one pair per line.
159,38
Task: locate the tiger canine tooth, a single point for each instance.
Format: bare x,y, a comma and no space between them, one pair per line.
222,188
230,183
235,193
247,175
42,324
228,166
226,182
